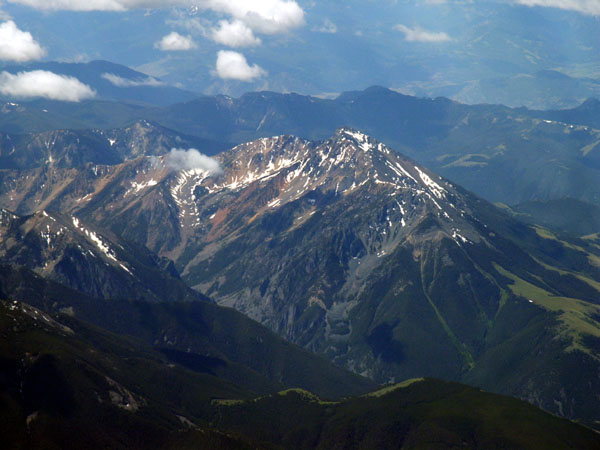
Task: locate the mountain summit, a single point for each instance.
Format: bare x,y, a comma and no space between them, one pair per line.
268,174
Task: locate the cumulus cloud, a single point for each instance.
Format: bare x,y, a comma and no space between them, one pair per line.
418,34
126,82
233,66
234,34
175,42
17,45
181,159
589,7
41,83
265,16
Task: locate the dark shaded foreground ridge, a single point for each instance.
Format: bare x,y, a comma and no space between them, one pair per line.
68,385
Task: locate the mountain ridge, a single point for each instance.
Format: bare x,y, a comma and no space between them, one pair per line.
468,144
64,249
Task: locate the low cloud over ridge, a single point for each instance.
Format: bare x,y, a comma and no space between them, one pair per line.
175,42
41,83
17,45
126,82
233,66
418,34
181,159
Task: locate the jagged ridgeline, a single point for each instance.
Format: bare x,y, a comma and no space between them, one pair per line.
530,155
362,255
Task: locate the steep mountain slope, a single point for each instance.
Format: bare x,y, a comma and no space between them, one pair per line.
201,336
369,259
65,384
63,249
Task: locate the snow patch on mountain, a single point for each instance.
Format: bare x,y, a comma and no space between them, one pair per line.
96,240
435,188
137,187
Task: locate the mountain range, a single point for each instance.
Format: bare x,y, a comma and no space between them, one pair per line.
531,155
366,257
290,224
279,256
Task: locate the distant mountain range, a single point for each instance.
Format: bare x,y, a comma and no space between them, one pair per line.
542,90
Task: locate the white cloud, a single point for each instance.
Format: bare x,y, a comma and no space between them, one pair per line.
265,16
233,66
175,42
590,7
41,83
418,34
234,34
180,159
126,82
17,45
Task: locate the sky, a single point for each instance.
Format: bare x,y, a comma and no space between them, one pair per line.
315,47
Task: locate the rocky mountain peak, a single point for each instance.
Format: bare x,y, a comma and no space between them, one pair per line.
288,176
349,162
